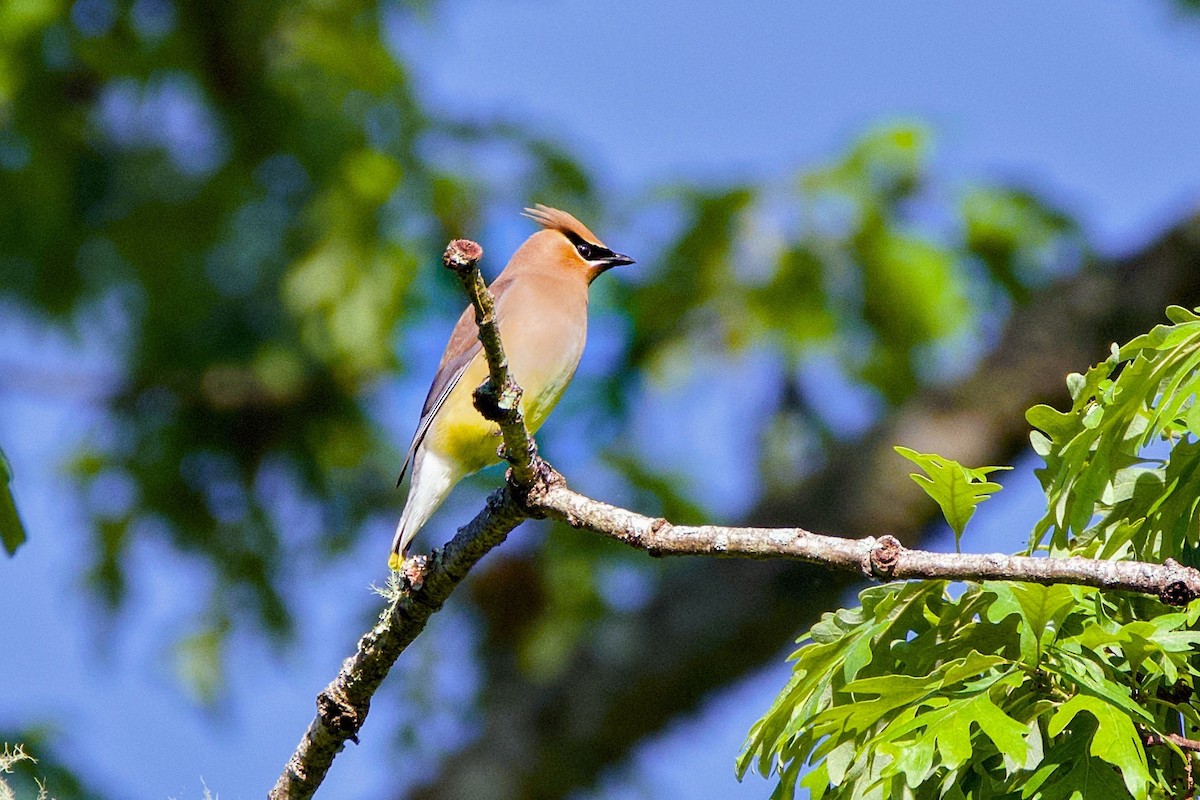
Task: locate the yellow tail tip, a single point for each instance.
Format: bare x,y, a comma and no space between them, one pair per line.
395,562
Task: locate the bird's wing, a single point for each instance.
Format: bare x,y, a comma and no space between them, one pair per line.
461,350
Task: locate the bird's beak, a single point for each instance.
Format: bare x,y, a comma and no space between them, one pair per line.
616,260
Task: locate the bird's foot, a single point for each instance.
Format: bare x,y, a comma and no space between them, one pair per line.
411,570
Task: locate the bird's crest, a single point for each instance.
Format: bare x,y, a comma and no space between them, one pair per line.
556,220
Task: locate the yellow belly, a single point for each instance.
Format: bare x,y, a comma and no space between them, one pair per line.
543,351
465,436
460,431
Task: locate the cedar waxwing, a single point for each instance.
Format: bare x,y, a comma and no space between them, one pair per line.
541,308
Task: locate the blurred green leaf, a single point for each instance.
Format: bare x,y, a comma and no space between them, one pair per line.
12,533
1017,236
199,662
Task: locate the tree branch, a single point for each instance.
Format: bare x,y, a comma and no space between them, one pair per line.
426,582
1180,741
342,706
534,489
882,558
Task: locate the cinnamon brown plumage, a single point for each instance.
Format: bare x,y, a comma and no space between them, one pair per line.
541,308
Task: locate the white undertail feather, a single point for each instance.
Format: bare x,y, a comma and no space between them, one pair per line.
433,477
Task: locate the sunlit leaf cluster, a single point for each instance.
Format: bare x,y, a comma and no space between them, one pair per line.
1122,463
1008,690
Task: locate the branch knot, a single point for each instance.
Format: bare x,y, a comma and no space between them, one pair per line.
413,572
531,497
883,558
1183,587
462,255
340,716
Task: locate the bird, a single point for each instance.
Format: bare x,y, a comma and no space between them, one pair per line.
541,309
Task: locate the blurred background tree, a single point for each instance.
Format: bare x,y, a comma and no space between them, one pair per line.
218,302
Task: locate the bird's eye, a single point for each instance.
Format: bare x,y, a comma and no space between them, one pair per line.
585,250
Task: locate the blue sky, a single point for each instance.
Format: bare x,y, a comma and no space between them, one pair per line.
1095,105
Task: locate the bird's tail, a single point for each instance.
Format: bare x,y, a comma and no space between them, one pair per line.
433,478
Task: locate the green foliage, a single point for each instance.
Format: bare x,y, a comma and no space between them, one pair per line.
1014,234
1109,495
1010,690
12,533
196,659
837,260
956,489
1003,689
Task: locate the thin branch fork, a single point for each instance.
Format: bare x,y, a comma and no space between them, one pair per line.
1189,748
534,489
1179,740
